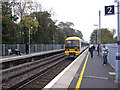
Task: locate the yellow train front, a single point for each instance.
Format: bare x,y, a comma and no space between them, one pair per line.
72,46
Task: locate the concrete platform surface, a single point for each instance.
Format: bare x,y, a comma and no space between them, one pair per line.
97,75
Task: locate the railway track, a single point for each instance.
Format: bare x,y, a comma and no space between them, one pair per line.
27,67
20,76
41,81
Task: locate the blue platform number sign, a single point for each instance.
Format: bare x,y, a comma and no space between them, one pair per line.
109,10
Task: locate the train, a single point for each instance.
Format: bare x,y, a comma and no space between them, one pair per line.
74,46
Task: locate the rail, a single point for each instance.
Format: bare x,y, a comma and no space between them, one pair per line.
14,61
38,70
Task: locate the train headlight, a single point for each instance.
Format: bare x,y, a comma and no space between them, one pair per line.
76,49
66,49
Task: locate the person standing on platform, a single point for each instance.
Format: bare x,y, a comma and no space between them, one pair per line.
27,48
98,49
105,52
91,49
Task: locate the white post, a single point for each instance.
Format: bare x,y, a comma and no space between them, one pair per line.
94,38
118,48
36,48
3,49
29,40
99,35
97,32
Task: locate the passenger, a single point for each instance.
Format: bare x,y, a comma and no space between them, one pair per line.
27,48
17,52
105,52
9,51
98,49
91,49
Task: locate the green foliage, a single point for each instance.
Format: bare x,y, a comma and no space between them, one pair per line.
68,31
29,23
26,24
43,29
9,28
106,36
46,29
6,79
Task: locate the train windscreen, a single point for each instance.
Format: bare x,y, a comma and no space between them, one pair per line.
72,44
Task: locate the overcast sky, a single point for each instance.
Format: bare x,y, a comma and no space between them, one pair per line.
82,13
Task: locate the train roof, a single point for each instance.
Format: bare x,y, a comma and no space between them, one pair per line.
73,38
76,38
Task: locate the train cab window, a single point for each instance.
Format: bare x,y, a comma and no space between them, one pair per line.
73,44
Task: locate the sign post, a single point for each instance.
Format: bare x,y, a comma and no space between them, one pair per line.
109,10
118,43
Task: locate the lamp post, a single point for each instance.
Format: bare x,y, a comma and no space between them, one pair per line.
94,38
97,32
29,40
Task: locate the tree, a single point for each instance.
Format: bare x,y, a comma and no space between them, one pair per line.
26,24
67,24
79,34
106,36
42,28
68,30
22,8
46,30
9,28
94,36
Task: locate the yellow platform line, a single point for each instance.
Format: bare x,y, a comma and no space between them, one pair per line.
81,75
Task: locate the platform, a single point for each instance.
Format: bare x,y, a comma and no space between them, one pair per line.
95,75
18,57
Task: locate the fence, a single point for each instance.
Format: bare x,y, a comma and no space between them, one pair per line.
46,47
112,53
33,47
